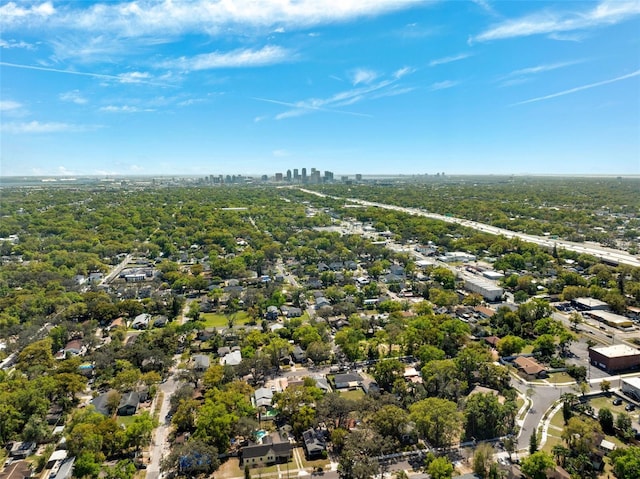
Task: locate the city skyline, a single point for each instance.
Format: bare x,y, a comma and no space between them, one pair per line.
380,88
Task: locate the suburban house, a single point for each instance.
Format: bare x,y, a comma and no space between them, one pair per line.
262,398
201,362
298,354
530,368
127,407
141,321
272,313
75,348
128,404
22,450
232,359
314,444
347,381
271,450
291,312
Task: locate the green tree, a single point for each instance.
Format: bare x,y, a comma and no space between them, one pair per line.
390,421
86,465
482,459
138,432
191,459
437,420
440,468
533,442
537,464
510,345
605,418
623,425
626,462
386,372
122,470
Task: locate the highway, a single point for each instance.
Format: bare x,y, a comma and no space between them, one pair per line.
601,252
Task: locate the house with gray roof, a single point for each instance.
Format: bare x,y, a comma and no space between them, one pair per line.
273,449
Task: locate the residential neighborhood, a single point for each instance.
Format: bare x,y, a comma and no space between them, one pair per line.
327,340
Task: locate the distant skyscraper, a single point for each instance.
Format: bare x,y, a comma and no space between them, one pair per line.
304,175
296,175
279,177
288,175
358,177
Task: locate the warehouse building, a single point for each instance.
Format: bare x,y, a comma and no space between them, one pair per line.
631,387
589,304
487,289
611,319
619,357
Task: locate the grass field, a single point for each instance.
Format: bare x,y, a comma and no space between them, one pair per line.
560,378
354,395
528,349
216,320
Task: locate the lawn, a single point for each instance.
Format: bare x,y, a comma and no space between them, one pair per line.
217,320
552,440
356,395
124,420
558,420
528,349
557,378
603,401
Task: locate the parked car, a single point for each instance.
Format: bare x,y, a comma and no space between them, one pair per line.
630,407
617,402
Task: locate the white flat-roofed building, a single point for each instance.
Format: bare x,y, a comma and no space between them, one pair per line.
493,275
611,319
589,304
631,387
487,289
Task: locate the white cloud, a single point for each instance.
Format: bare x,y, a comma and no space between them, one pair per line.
11,12
486,6
402,72
443,85
102,76
16,44
73,96
369,89
542,68
362,75
267,55
149,17
568,37
580,88
134,77
7,105
38,127
124,109
607,12
453,58
280,153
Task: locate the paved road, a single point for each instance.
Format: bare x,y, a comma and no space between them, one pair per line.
117,270
542,398
609,254
160,444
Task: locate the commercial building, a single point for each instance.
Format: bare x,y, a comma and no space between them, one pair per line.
619,357
611,319
589,304
487,289
631,387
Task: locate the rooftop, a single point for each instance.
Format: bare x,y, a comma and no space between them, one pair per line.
617,351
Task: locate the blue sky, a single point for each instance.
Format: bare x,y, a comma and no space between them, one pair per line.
353,86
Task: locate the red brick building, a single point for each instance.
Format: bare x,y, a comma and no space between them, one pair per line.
619,357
